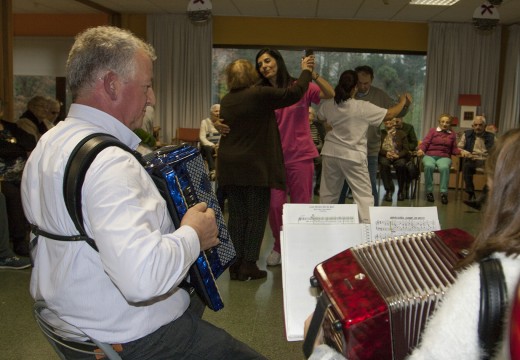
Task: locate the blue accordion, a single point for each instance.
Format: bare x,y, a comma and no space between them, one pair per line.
181,177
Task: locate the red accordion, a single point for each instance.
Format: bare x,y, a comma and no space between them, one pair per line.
377,296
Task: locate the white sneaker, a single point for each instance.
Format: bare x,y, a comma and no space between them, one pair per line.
274,258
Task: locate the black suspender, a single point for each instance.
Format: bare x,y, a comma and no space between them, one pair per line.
79,162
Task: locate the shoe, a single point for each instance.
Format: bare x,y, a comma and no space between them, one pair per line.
475,204
249,271
471,195
21,249
430,197
15,263
317,191
400,196
388,196
444,198
274,258
233,269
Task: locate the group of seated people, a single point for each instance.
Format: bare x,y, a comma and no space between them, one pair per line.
399,144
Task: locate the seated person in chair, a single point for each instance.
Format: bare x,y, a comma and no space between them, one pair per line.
129,291
394,151
478,142
209,137
413,168
438,146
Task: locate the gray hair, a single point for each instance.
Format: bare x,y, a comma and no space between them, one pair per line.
36,101
99,50
482,117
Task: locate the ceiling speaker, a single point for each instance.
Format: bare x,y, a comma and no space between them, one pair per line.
199,10
486,16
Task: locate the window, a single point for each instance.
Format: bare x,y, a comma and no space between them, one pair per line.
394,73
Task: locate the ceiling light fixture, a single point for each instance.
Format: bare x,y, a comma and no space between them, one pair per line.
434,2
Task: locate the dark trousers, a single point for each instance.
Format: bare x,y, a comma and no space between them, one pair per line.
469,168
317,172
208,152
343,194
248,212
16,217
385,172
188,337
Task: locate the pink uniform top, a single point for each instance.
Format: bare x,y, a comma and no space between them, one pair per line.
294,127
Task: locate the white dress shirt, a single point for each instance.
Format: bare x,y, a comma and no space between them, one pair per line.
129,288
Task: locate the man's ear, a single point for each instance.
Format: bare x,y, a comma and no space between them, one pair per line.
111,84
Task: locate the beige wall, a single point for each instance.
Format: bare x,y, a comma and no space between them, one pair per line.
346,34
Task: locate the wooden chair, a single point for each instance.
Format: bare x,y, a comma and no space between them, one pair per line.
187,136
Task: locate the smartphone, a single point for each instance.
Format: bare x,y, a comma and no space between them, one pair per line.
309,52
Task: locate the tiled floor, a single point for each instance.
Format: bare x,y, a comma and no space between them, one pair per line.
253,310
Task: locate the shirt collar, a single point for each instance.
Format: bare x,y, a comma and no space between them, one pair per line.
106,122
440,130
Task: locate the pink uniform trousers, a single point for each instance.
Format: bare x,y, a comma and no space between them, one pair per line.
299,188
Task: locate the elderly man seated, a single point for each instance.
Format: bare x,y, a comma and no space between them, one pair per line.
394,151
478,142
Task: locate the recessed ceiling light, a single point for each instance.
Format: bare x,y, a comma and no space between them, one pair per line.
434,2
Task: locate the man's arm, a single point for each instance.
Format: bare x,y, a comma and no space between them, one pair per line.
139,248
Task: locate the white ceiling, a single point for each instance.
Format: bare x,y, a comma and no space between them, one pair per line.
383,10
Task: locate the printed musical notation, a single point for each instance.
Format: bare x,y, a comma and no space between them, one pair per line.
313,219
391,221
320,214
397,226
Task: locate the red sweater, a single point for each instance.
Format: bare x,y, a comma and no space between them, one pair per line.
440,143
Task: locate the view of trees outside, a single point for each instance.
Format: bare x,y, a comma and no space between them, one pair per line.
394,73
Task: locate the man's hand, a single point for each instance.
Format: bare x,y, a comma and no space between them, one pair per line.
202,220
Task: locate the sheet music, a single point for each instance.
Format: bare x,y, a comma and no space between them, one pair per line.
312,233
321,214
393,221
303,247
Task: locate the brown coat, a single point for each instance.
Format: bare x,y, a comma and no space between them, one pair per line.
251,154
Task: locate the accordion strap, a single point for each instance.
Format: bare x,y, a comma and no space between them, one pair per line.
493,301
315,325
75,170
